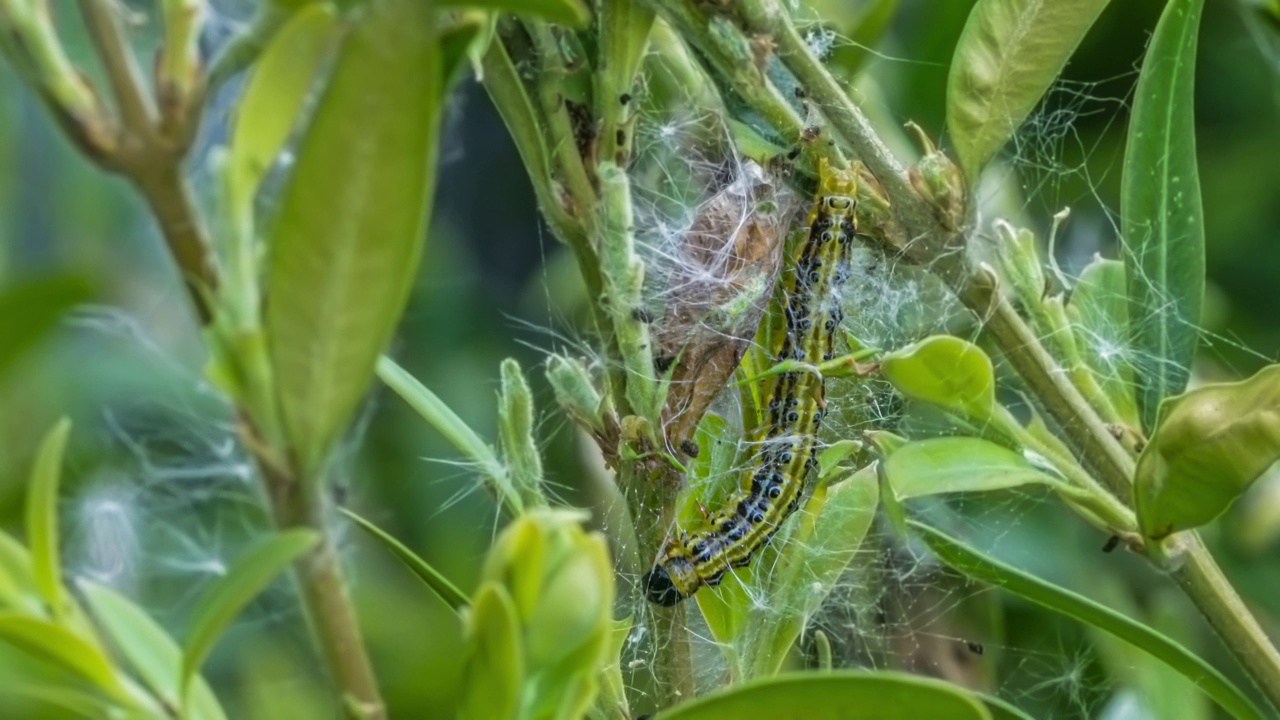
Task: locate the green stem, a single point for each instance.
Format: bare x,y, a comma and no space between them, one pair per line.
770,19
122,70
298,503
649,483
1051,386
151,163
1202,580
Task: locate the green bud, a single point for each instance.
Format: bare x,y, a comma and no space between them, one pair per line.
558,581
515,424
1019,262
939,181
575,392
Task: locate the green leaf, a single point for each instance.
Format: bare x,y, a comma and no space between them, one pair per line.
565,12
30,308
62,647
1163,223
1008,54
959,464
1099,314
432,578
42,516
836,696
945,371
220,604
493,667
1212,444
980,567
16,576
154,656
1001,710
82,704
825,541
273,99
348,235
447,423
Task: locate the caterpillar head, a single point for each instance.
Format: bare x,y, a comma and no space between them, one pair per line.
670,581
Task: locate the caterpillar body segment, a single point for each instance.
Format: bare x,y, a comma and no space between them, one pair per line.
787,443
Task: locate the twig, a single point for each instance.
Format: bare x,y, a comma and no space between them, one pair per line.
151,162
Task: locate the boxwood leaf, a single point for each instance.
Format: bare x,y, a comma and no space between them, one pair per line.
1212,443
1161,214
1008,54
348,234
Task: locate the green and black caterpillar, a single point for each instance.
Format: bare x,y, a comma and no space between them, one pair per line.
787,444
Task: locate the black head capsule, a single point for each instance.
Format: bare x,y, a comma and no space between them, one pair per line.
658,587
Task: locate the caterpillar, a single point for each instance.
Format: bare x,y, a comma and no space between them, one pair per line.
787,443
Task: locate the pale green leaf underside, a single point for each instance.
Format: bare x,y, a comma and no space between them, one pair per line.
1008,54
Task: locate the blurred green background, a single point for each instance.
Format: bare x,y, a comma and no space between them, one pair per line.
158,497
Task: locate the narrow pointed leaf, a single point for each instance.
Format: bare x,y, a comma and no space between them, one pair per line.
1008,54
61,647
432,578
81,704
980,567
154,656
1212,444
836,696
273,98
42,516
1162,218
347,237
248,576
441,417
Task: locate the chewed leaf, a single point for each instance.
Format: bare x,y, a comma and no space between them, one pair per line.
983,568
1008,54
1212,443
1161,213
837,695
959,464
945,371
